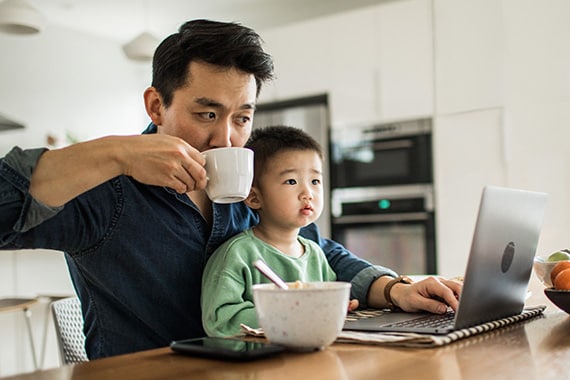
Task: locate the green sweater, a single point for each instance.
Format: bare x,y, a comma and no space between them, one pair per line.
227,297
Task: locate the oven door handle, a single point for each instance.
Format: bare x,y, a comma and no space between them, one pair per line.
382,218
380,145
395,144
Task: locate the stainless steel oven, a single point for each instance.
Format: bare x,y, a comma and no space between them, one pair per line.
393,226
382,155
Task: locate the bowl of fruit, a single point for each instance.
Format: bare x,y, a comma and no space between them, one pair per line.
558,272
543,266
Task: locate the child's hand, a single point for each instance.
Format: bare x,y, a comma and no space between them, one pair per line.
352,305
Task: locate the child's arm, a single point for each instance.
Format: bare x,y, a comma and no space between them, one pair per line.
223,305
227,300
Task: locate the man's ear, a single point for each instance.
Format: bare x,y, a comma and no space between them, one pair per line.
253,200
153,105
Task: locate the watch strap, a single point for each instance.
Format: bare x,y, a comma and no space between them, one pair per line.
388,288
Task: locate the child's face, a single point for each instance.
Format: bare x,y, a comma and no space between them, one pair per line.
290,189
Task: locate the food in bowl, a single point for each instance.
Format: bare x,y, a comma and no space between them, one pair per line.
307,316
562,255
560,275
543,269
564,281
297,285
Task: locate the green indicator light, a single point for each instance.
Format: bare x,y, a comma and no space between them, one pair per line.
384,204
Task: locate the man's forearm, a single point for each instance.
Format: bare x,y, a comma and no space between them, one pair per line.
62,174
368,286
376,296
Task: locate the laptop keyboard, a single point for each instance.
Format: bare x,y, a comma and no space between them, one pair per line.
428,321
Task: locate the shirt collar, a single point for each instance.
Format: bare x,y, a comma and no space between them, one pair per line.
150,129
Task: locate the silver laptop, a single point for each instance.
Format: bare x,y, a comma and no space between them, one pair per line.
498,270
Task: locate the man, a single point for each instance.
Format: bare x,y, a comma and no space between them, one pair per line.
131,214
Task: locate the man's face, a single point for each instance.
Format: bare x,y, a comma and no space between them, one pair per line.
214,109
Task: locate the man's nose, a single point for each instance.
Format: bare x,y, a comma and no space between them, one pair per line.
222,134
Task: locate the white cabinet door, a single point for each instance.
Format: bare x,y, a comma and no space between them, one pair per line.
352,66
376,63
405,60
469,48
336,55
469,152
301,53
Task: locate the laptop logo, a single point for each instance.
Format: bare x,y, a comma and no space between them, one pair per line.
508,256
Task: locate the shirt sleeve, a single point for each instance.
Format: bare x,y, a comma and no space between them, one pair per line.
347,266
20,211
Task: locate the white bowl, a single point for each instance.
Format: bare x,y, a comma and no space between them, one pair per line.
308,318
542,268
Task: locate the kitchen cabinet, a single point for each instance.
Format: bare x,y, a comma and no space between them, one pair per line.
299,51
334,55
353,67
375,63
404,49
493,74
470,50
469,153
390,61
538,159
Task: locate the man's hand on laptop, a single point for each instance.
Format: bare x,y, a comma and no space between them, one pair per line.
433,294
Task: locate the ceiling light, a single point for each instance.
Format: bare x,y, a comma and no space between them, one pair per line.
6,124
142,47
19,17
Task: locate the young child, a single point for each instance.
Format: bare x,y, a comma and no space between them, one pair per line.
287,194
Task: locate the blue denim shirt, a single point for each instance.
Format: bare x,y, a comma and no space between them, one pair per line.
136,253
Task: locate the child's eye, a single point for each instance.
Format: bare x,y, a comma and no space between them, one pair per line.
290,182
316,181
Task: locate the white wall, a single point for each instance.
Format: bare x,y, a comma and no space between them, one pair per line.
57,82
61,81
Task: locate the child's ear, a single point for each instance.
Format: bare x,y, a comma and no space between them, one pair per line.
253,200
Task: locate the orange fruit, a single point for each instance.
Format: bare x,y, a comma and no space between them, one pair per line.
559,267
562,280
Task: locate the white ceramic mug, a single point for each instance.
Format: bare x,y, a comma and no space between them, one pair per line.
230,174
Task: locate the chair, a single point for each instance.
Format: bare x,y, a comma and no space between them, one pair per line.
68,322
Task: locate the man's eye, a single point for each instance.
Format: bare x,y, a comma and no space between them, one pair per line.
243,120
207,115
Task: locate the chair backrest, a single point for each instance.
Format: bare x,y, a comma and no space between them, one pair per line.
68,321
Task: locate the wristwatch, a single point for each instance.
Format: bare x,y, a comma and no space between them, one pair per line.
388,288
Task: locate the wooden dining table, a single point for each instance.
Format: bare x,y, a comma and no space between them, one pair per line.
533,349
